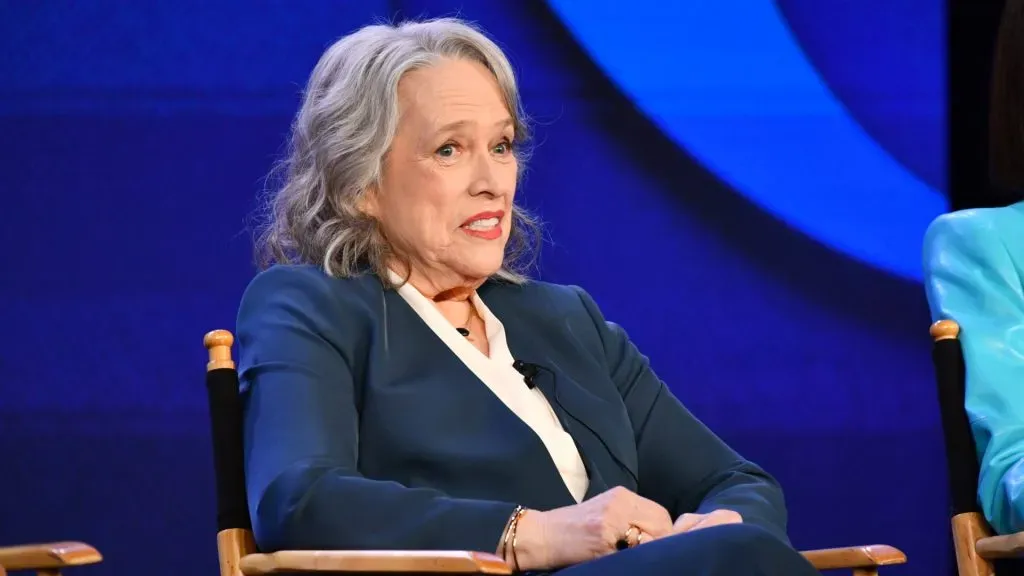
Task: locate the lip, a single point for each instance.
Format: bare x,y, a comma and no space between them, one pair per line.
493,233
499,214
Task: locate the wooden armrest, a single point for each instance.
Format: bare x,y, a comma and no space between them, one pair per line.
972,531
421,561
855,557
49,555
1006,546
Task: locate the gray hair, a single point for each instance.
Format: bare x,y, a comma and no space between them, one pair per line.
342,133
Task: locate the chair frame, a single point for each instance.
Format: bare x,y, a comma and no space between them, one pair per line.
239,555
47,559
975,545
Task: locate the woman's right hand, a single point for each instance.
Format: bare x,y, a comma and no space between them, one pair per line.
588,530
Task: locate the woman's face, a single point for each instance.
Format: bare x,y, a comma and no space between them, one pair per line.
445,196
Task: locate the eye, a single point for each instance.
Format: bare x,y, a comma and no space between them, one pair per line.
446,151
504,147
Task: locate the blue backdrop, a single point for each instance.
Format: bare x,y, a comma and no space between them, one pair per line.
767,171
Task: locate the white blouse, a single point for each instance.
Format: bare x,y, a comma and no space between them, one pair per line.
497,373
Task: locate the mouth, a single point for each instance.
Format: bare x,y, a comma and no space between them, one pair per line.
486,225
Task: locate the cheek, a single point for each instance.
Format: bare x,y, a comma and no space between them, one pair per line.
429,206
508,178
442,193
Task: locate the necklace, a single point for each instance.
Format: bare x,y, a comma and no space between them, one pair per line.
452,294
464,329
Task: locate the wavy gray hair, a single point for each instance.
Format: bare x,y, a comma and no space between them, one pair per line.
341,135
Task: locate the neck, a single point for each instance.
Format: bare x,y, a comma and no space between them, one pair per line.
439,285
456,294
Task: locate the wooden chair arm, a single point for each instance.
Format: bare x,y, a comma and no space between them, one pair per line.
1005,546
448,562
855,557
47,556
481,563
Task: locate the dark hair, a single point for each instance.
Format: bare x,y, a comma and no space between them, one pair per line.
1006,117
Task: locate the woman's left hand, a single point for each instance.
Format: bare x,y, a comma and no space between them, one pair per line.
691,522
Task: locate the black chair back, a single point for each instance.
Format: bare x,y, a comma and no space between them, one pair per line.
961,456
225,405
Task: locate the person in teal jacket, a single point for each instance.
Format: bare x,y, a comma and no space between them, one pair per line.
974,267
974,274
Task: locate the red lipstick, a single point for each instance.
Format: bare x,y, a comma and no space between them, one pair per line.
473,225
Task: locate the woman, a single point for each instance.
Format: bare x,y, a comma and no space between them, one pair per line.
408,388
974,272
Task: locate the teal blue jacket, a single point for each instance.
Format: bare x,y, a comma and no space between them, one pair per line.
974,266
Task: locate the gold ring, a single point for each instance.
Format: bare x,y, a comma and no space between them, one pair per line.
628,536
627,541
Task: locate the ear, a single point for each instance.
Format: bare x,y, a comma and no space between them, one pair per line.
368,202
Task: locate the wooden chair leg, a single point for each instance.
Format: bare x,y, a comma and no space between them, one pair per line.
865,572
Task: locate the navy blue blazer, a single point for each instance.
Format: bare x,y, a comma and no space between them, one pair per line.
364,431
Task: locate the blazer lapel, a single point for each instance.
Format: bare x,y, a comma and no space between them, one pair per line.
594,422
419,344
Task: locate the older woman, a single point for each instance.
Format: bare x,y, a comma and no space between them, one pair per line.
974,271
407,387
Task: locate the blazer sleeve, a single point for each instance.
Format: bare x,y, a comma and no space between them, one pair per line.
682,464
970,278
300,346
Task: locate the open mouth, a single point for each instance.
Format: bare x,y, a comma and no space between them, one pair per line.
486,225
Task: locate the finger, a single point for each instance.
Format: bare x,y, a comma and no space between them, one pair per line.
636,537
715,519
686,522
654,521
633,536
644,538
719,517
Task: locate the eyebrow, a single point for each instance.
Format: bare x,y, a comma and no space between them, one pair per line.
453,126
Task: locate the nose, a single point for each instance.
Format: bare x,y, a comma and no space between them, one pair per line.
484,180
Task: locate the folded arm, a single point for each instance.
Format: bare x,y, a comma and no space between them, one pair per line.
683,465
970,278
300,341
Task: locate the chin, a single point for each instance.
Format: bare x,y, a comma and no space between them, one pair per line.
482,266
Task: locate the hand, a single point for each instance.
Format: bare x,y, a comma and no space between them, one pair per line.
691,522
588,530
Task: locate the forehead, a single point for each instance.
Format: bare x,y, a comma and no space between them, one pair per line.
451,91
